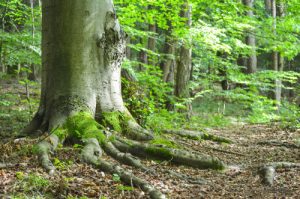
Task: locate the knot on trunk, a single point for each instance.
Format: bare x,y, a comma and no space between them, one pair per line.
112,41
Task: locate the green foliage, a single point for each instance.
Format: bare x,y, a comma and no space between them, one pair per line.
125,188
164,119
289,115
148,94
115,120
62,165
116,177
32,182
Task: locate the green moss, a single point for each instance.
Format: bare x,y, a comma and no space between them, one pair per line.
214,138
116,120
81,126
164,142
218,165
159,152
61,133
113,120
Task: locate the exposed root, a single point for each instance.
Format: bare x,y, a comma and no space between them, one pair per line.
92,150
124,123
279,144
83,128
268,171
43,149
177,156
136,132
197,135
127,177
6,165
125,158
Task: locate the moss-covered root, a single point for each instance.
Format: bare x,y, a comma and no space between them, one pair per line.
136,132
91,150
125,158
125,123
177,156
43,149
268,171
197,135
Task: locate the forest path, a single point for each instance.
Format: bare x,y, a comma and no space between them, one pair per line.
253,146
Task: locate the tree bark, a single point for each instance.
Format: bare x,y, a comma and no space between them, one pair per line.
251,61
280,68
268,6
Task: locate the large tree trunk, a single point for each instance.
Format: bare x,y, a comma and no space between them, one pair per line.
83,47
251,61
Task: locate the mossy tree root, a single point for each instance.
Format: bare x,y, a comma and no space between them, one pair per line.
43,149
197,135
177,156
83,128
125,158
268,171
134,131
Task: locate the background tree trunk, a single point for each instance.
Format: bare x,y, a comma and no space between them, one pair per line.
251,61
151,44
168,63
275,55
184,64
281,62
268,6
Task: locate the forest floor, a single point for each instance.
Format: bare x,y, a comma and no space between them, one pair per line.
253,146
